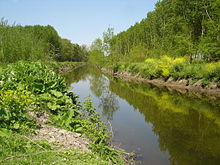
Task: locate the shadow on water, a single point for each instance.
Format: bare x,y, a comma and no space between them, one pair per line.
164,127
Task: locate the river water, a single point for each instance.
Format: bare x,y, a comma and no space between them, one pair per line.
163,127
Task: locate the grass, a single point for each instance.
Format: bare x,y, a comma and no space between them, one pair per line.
33,86
18,149
177,68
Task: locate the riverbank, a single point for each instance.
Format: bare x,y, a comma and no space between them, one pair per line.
181,85
63,67
30,90
145,117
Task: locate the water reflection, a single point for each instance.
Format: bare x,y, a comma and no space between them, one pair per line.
99,85
188,128
76,75
156,121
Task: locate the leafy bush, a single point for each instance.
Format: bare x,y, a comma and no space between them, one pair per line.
33,86
178,68
14,105
32,76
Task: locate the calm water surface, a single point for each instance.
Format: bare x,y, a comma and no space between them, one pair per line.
163,127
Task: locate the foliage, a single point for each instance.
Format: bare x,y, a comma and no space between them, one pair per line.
22,85
177,28
97,57
12,145
88,122
36,43
27,86
72,52
97,44
14,105
31,76
107,36
177,68
100,49
27,43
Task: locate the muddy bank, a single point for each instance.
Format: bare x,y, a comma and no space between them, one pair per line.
182,85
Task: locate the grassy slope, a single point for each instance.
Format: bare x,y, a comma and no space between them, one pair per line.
16,148
178,68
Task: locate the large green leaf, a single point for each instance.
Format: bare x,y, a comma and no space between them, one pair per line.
53,106
56,93
5,132
39,87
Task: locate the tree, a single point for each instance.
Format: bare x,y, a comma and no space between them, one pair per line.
107,36
97,45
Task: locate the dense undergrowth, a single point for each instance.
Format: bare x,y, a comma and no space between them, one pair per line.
176,68
32,86
199,72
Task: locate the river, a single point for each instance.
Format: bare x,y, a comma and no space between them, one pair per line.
163,127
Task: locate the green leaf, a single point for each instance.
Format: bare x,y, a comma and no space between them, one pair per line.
78,128
39,87
53,106
56,93
51,84
16,126
5,132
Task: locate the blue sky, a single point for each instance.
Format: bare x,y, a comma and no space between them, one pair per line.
81,21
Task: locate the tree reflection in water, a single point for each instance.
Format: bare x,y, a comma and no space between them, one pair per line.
187,127
99,85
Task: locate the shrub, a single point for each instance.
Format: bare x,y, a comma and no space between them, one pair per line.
177,68
32,76
13,109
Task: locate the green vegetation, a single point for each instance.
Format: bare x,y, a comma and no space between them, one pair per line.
35,43
176,68
187,126
33,87
17,149
179,39
28,86
175,28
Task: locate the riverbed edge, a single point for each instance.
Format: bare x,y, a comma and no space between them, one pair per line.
180,85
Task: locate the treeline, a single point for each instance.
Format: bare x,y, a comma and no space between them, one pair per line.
36,43
174,28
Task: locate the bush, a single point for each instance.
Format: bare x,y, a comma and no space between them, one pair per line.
178,68
14,105
31,76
